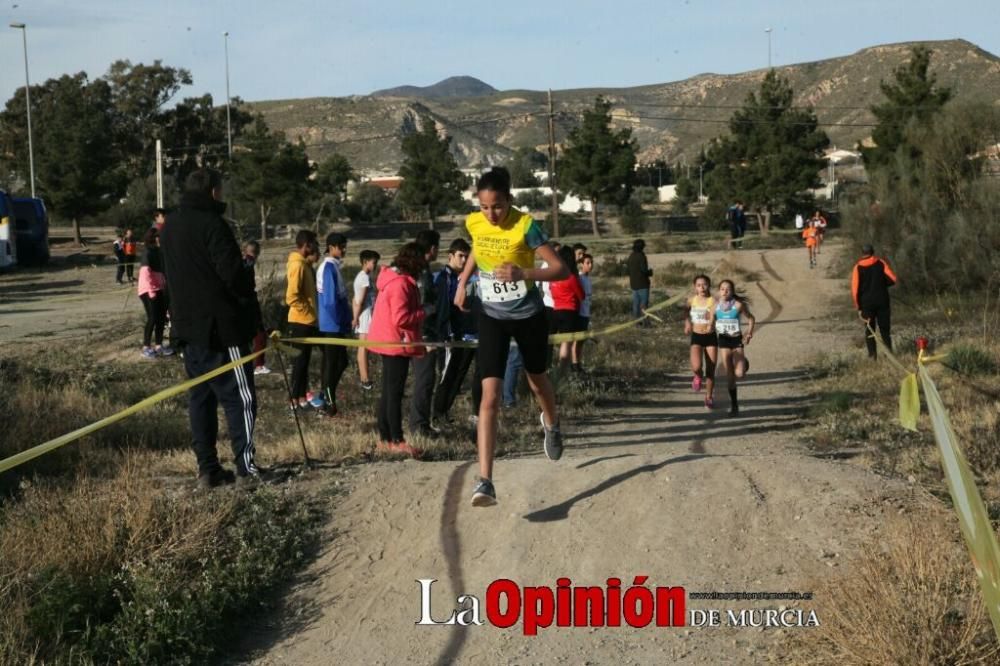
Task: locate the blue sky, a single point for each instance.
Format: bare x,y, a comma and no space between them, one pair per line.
303,48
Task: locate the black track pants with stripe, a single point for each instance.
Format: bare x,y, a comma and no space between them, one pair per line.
234,390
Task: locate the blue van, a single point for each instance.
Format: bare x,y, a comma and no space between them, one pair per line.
32,223
8,234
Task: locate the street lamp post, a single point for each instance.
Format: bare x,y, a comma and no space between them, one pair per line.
229,126
701,181
27,99
768,31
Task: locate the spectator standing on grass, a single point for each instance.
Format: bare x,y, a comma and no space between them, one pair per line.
458,326
335,317
398,317
737,219
585,264
130,249
567,296
251,250
364,302
212,314
425,365
300,297
119,249
870,282
579,249
152,290
639,273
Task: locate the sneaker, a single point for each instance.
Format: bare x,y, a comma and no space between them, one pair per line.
428,432
148,352
406,449
709,402
696,383
553,440
328,411
484,494
262,370
165,350
367,386
315,400
734,410
249,480
216,478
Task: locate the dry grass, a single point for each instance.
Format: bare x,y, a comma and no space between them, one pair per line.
910,598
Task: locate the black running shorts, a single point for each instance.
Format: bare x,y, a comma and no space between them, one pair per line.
704,339
730,342
531,334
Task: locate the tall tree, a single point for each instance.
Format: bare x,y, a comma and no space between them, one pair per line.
194,133
598,162
74,156
912,97
431,179
522,165
139,94
772,155
330,183
270,172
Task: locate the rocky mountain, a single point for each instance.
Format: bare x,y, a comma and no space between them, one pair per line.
455,86
671,121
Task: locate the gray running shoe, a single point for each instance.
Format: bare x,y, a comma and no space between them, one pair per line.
553,440
484,494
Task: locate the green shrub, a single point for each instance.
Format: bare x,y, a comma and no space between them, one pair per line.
971,360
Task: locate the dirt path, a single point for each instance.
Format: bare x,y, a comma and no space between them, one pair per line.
660,487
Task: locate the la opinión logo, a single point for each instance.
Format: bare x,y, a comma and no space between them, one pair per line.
566,605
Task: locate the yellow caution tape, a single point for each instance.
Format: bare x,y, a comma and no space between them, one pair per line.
53,444
909,402
277,342
972,516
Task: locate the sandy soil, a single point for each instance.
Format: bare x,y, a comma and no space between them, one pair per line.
660,487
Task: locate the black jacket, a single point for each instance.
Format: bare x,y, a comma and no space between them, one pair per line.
638,271
211,302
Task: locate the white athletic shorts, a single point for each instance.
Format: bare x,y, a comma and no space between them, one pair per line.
364,321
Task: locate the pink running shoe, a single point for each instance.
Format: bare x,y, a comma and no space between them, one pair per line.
696,383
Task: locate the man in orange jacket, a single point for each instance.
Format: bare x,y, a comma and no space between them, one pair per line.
870,282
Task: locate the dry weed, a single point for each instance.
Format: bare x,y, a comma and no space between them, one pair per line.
911,598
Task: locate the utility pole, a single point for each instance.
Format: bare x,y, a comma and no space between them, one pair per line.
768,31
27,99
229,126
552,169
159,173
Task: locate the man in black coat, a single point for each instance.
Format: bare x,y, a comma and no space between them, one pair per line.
212,317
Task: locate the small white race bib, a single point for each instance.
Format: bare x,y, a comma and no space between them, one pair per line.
728,327
499,291
699,316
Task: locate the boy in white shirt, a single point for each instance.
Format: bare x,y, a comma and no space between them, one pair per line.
364,301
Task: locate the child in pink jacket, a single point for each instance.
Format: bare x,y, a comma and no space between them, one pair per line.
152,291
397,317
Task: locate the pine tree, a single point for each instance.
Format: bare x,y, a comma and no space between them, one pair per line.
772,155
598,162
911,98
432,182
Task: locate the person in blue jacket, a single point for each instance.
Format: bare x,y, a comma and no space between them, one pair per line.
335,316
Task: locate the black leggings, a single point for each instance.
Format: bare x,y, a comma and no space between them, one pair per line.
451,384
300,367
334,364
390,404
878,318
156,318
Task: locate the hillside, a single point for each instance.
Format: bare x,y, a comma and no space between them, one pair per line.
670,120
